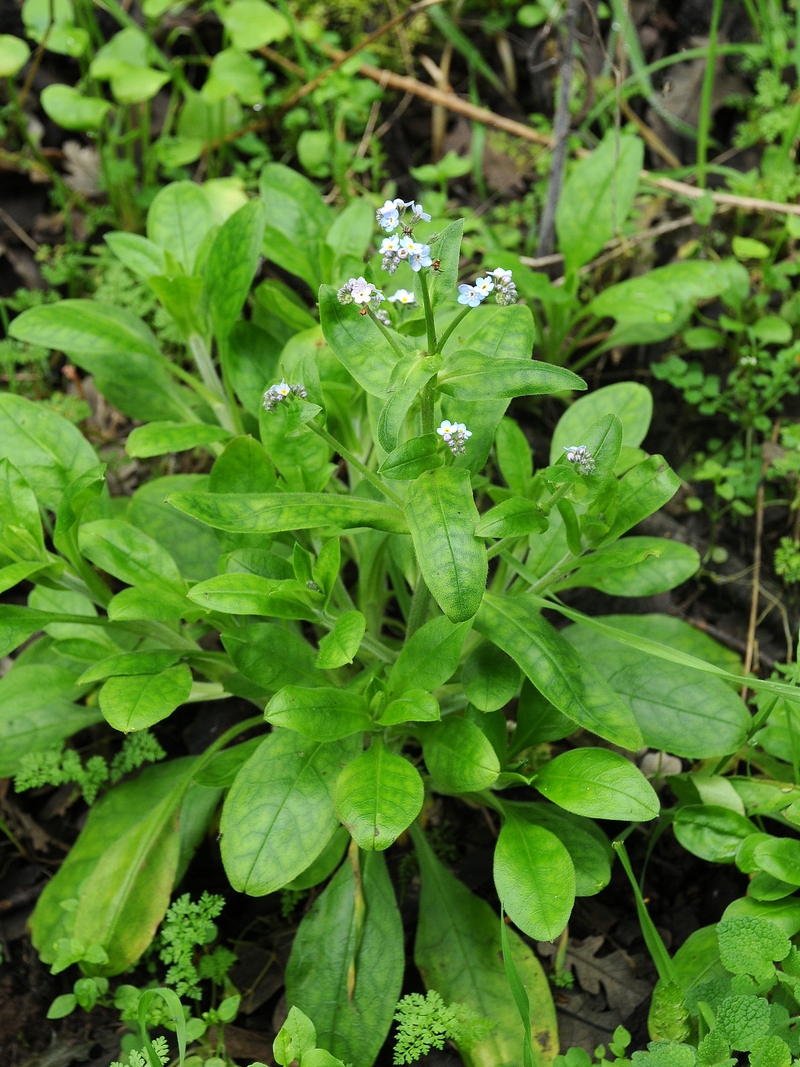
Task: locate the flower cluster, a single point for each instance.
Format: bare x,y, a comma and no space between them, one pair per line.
455,435
360,291
395,249
505,292
498,281
581,457
388,216
276,394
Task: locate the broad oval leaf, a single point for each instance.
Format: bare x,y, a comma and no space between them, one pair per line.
415,705
232,264
599,784
469,375
133,702
278,512
567,681
130,663
87,327
343,642
377,796
320,714
458,953
458,756
430,657
161,437
636,566
442,517
490,678
412,458
678,710
129,554
271,656
279,813
250,594
712,832
48,451
642,491
780,857
71,109
515,517
535,878
630,402
338,942
359,344
178,220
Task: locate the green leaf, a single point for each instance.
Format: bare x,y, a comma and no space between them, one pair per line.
250,594
276,512
178,220
377,796
62,1006
490,678
14,55
408,377
36,711
71,109
780,857
599,784
458,954
85,326
119,872
232,264
351,231
20,522
343,642
446,247
243,467
56,22
631,402
711,832
278,815
192,545
535,878
350,935
412,458
587,845
636,566
325,864
538,720
458,756
271,656
161,437
784,913
358,343
514,456
415,705
320,714
233,72
442,517
139,255
597,198
642,491
546,657
297,221
123,550
678,710
430,657
48,451
515,517
130,663
133,702
469,375
149,602
254,23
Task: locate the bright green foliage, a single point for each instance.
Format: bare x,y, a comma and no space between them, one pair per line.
743,1020
187,925
56,767
749,945
665,1054
426,1022
143,1059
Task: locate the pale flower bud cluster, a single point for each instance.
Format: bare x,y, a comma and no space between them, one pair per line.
276,394
581,457
360,291
455,435
505,292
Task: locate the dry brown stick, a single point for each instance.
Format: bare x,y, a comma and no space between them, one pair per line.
616,244
649,135
746,203
16,229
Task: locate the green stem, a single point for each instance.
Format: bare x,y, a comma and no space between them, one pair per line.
427,402
346,454
430,325
204,363
385,332
704,124
446,335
